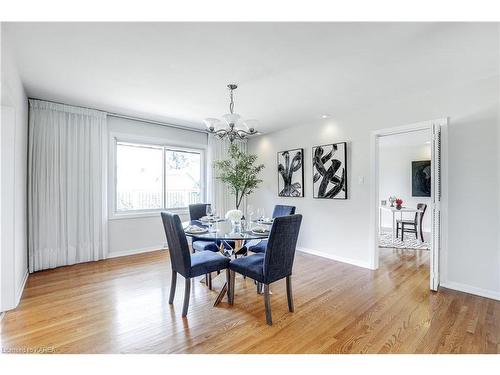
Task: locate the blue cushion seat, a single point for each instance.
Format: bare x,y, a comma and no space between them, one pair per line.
259,247
202,245
251,266
206,262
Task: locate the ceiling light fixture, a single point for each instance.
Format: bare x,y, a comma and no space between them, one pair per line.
233,120
325,116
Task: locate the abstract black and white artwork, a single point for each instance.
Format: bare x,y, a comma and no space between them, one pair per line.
421,178
291,173
330,171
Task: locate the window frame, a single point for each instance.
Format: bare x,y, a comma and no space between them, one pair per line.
116,138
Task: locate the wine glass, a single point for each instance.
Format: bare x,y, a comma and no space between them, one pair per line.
260,214
250,214
209,211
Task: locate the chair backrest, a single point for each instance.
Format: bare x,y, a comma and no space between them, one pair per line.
197,211
422,207
177,243
281,210
280,251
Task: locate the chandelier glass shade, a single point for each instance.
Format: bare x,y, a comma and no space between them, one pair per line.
231,126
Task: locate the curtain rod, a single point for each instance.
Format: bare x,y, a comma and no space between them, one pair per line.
119,115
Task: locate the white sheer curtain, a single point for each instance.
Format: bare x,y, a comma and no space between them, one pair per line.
67,209
218,193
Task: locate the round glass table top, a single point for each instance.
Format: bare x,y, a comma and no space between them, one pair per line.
222,230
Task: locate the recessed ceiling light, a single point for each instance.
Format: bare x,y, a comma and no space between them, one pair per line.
325,116
428,142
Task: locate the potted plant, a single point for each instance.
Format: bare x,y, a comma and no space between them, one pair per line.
239,172
399,202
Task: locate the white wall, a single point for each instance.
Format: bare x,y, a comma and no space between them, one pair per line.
395,177
340,229
14,252
135,234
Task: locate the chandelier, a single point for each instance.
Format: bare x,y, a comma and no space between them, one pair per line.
237,128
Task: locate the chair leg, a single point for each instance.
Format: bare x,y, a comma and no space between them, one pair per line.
267,303
210,280
421,233
228,282
245,254
289,295
172,287
397,230
187,292
232,276
402,231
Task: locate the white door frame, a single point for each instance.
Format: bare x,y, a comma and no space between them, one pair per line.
438,258
7,245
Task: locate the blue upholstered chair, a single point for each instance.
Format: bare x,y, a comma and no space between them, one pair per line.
188,265
279,211
196,212
274,264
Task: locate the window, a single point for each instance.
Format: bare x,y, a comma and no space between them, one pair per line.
150,177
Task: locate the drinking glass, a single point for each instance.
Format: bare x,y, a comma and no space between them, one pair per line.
250,214
209,211
260,214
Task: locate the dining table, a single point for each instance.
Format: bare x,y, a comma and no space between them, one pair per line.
223,231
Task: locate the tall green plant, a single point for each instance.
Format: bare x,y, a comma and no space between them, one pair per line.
239,173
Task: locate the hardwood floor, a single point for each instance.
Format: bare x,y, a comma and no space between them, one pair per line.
121,306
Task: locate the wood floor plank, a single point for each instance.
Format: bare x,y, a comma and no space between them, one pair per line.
121,305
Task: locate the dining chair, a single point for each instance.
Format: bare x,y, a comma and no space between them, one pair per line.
410,226
274,264
196,212
259,246
188,265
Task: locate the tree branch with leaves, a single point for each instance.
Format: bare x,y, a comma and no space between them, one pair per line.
239,173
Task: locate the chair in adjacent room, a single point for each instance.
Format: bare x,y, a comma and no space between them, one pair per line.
259,246
412,226
274,264
186,264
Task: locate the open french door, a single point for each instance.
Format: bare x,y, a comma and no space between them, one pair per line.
436,193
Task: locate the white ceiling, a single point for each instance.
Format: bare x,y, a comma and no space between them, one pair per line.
289,73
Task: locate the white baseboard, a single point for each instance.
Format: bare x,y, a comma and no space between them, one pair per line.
353,262
20,290
471,289
124,253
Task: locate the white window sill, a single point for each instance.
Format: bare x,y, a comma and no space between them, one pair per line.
148,214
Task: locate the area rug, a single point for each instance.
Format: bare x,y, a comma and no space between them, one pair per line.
410,242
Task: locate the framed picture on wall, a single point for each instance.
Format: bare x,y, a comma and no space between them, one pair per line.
291,173
329,165
421,178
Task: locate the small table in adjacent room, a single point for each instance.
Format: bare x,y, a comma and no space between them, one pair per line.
394,210
223,231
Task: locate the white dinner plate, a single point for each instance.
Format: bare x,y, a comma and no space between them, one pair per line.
263,232
196,230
